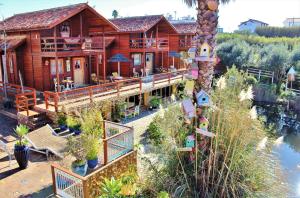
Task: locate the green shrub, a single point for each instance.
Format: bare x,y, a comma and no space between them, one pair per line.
92,123
92,146
251,80
155,102
61,118
111,188
155,134
21,131
75,147
73,122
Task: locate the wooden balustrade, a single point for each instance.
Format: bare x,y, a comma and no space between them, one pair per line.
70,43
25,97
122,87
186,43
141,43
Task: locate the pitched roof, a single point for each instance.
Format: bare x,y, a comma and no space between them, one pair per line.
12,42
138,23
185,27
44,19
253,20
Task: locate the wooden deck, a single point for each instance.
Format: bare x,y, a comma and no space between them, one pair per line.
54,101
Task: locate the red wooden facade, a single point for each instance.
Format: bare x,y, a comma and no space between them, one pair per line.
145,41
59,43
75,42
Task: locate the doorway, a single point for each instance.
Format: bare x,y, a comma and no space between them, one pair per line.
78,68
149,63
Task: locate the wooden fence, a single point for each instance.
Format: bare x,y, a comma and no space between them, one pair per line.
261,73
24,98
89,94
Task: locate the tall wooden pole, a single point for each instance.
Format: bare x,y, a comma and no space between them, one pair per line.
104,56
56,60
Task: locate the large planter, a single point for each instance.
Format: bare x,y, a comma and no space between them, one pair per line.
79,169
92,163
63,127
22,156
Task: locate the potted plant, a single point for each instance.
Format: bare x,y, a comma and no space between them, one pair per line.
92,146
154,103
21,150
75,147
73,124
62,121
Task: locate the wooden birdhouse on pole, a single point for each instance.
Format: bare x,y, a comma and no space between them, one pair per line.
204,53
203,98
203,123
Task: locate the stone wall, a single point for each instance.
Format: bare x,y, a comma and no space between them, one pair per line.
114,169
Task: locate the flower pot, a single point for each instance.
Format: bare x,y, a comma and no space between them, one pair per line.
22,156
92,163
79,169
63,127
77,132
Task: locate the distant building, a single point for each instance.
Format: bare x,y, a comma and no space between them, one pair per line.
291,22
251,25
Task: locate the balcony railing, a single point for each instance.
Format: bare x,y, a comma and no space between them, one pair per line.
186,43
89,94
70,43
151,43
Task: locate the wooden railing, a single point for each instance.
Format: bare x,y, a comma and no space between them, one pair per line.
24,99
70,43
261,73
90,93
186,43
118,148
144,43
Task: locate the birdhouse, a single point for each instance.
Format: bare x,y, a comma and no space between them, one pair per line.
192,52
189,87
203,98
194,71
203,123
291,74
204,52
189,108
190,141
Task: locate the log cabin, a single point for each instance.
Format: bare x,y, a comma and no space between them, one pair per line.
51,45
145,41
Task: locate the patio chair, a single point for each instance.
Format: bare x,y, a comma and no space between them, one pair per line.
45,140
5,148
62,87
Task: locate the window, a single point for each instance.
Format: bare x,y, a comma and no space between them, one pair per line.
68,65
53,66
11,65
137,59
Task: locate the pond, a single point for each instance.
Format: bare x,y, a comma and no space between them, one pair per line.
287,150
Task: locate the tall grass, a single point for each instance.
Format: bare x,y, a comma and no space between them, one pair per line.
229,165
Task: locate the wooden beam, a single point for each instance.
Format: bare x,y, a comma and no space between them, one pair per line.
104,57
56,60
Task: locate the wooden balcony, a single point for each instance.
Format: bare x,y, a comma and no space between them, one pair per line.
186,43
116,157
70,43
145,43
109,91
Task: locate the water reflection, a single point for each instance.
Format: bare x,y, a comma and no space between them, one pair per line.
289,156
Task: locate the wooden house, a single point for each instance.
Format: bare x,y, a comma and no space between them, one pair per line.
145,41
182,41
52,45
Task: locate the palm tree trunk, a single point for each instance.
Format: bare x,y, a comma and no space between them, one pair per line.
207,22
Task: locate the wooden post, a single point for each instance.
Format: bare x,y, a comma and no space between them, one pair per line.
259,75
56,102
53,179
46,100
104,57
162,58
81,34
105,151
56,60
86,192
156,37
272,77
97,66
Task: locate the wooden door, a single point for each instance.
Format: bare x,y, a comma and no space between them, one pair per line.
149,63
78,68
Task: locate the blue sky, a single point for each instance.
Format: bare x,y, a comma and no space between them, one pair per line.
269,11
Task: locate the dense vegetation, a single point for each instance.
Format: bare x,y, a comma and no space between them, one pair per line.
228,165
275,54
278,31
